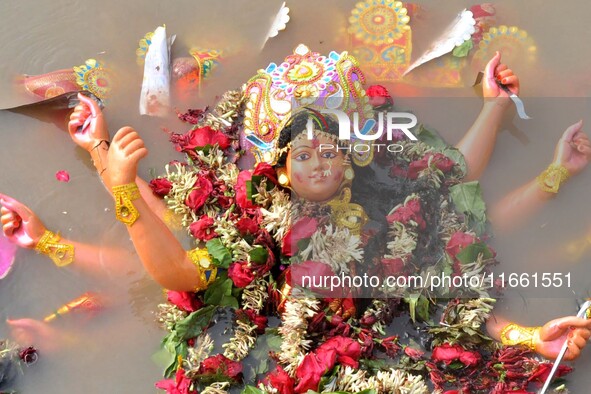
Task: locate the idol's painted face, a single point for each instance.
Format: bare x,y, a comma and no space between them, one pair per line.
315,174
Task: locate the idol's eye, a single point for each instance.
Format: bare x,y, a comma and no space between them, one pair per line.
302,156
329,155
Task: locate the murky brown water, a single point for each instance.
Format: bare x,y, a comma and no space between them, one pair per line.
111,353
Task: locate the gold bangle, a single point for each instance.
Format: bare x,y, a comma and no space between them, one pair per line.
207,271
552,177
514,334
125,211
60,253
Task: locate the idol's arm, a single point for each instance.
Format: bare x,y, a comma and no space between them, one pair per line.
22,227
572,154
94,138
479,141
160,252
546,340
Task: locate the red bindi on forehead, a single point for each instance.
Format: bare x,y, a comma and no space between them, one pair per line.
315,143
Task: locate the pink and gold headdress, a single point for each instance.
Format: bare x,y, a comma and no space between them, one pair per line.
303,79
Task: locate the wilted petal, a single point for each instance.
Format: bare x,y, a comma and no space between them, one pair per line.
62,176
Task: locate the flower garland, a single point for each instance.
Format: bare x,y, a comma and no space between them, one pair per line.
256,236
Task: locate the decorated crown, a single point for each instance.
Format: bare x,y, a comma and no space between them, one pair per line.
381,38
303,79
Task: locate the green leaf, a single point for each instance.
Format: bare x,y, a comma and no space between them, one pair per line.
251,390
230,301
430,137
468,200
274,342
422,308
221,287
251,185
220,254
168,356
456,156
263,367
412,305
470,253
192,325
464,49
259,255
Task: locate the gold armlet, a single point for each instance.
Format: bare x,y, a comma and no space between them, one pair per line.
60,253
207,271
552,177
125,211
513,335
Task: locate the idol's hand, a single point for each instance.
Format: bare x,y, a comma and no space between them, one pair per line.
29,332
496,72
553,334
127,149
19,224
573,150
89,116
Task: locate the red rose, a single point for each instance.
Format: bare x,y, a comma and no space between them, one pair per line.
438,160
266,170
449,353
253,317
180,385
201,192
220,364
442,162
240,274
204,136
446,353
417,166
160,186
390,345
240,189
392,267
543,370
378,95
410,211
311,369
247,226
311,274
469,358
348,350
302,229
413,353
184,300
202,229
281,381
457,242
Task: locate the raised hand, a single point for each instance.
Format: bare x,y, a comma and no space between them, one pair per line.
496,72
19,224
553,334
89,116
127,149
573,150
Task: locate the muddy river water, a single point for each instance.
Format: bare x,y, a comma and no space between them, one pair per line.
112,351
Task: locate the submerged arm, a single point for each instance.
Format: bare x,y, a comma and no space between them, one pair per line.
478,143
22,227
571,156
